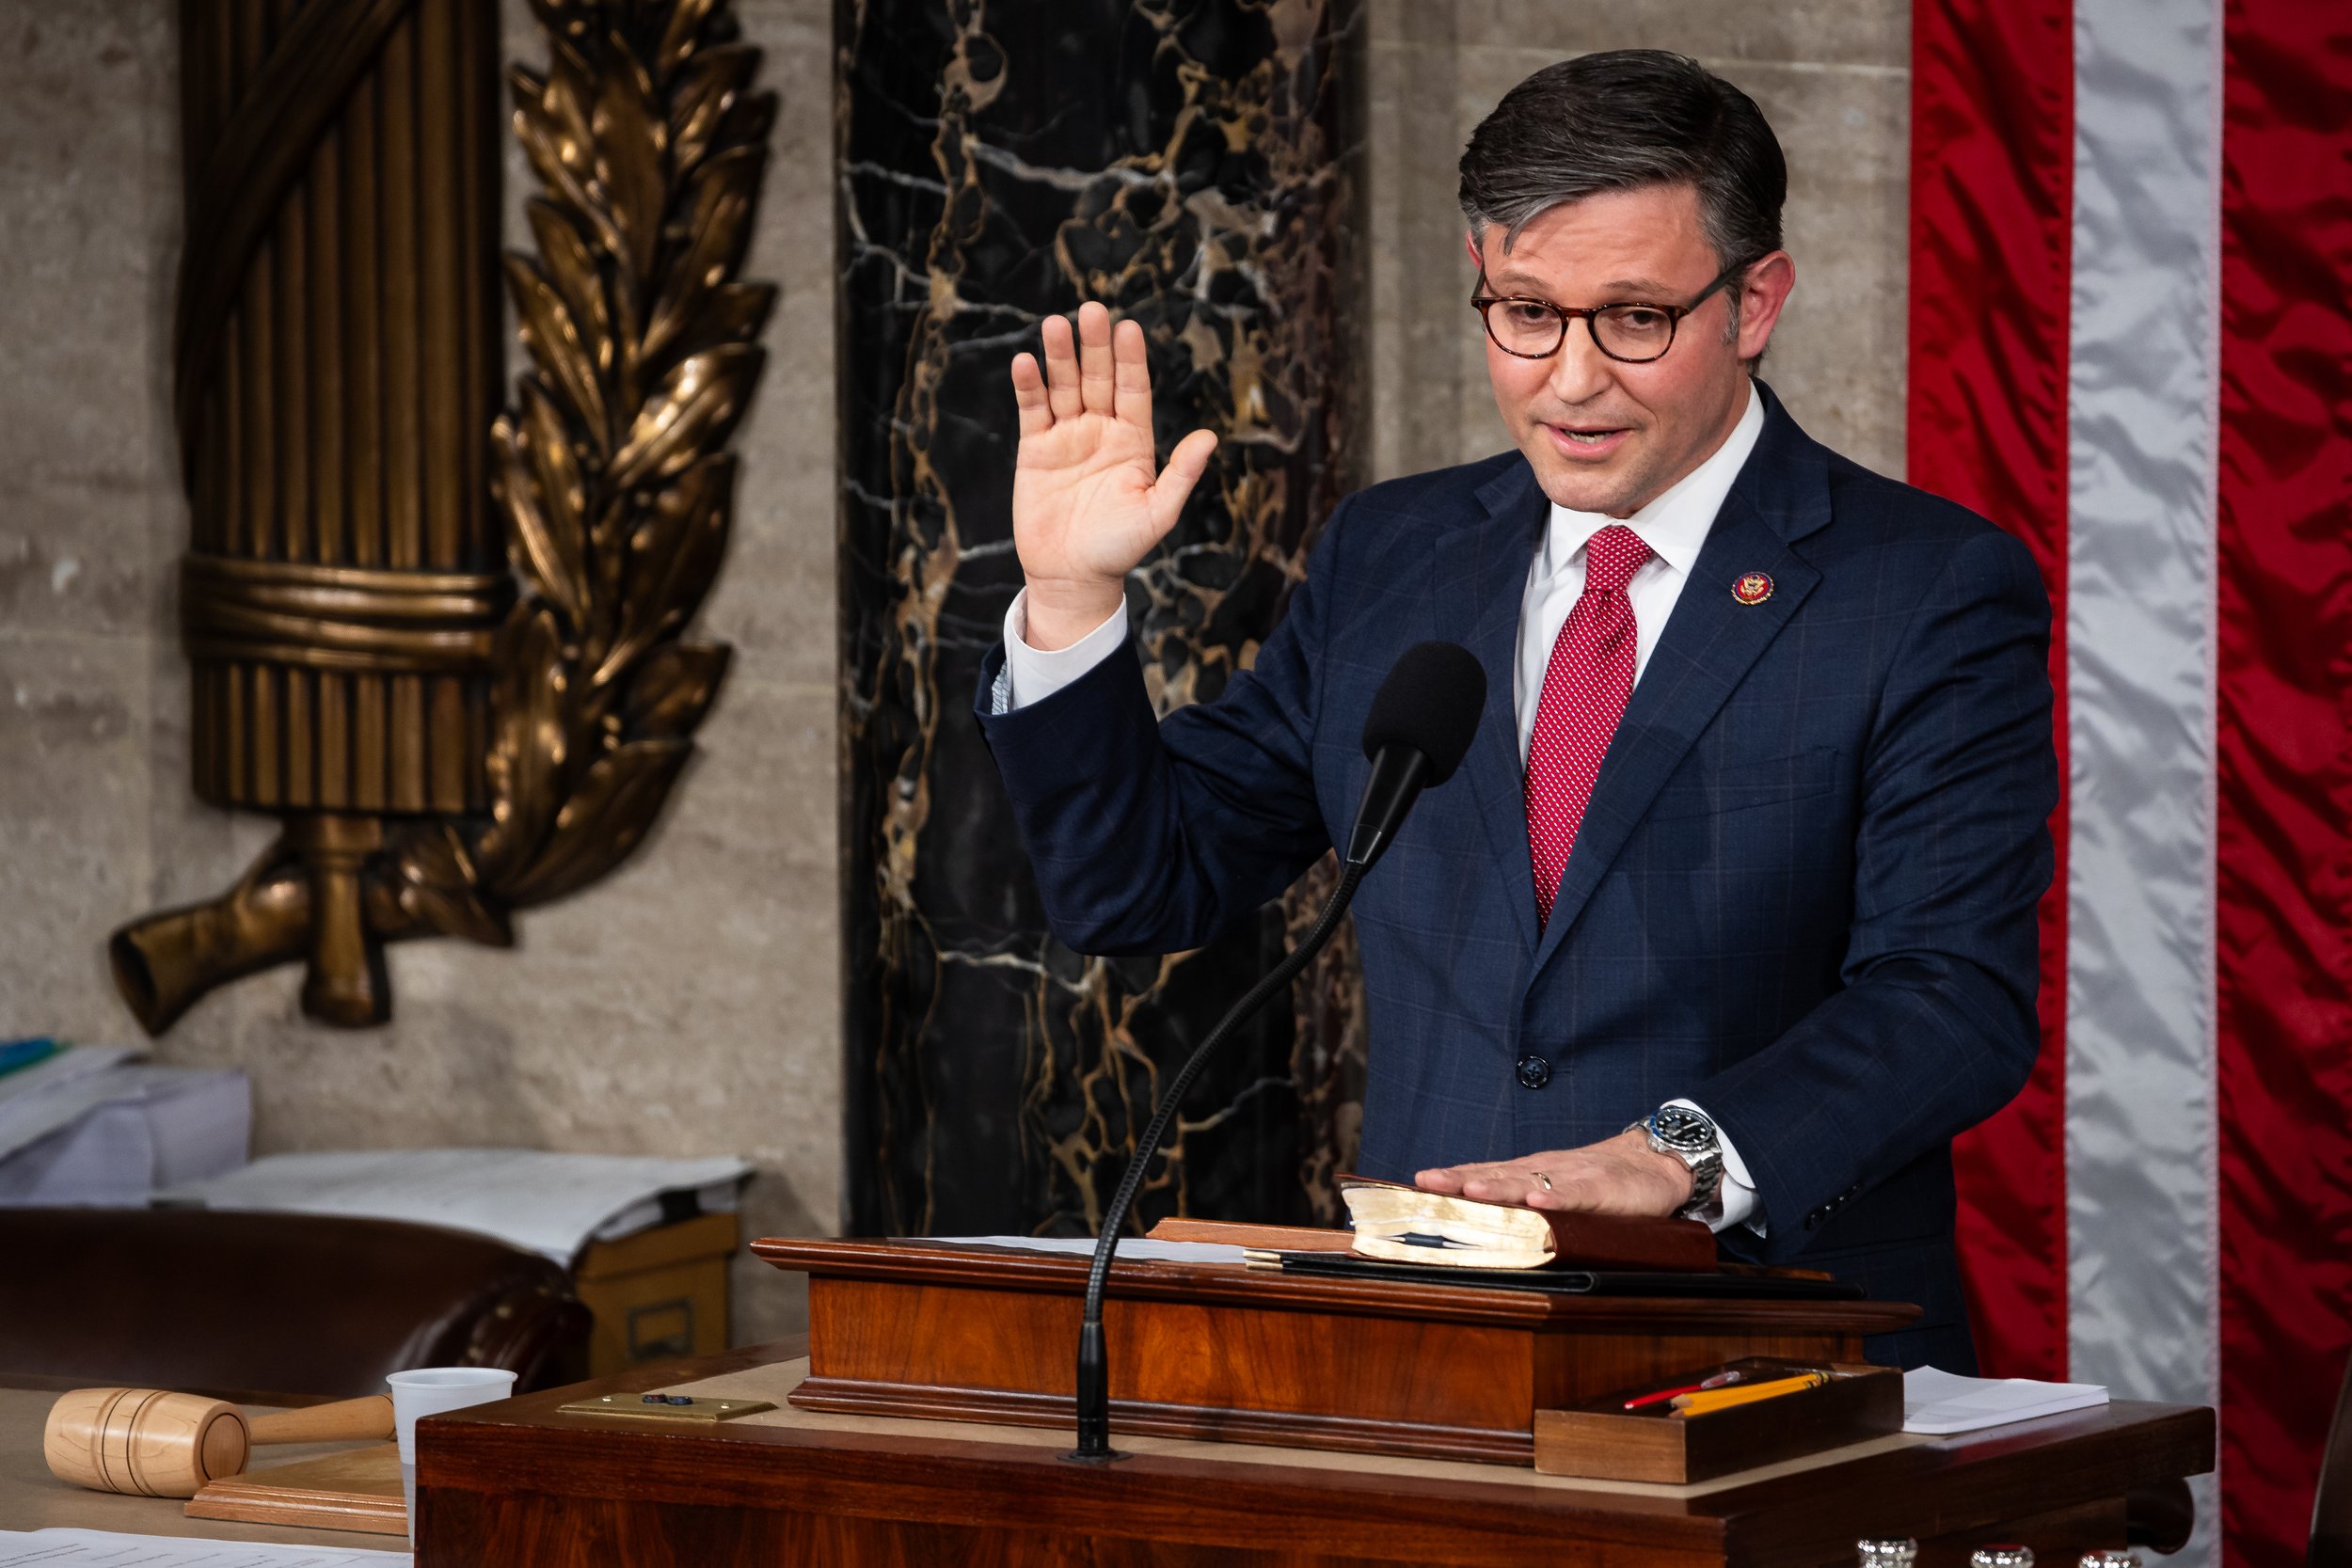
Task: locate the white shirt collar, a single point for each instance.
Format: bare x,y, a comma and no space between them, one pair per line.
1674,525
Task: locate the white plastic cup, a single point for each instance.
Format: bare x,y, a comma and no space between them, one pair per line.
429,1391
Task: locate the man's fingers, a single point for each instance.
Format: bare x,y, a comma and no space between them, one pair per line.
1094,357
1061,367
1131,377
1028,395
1501,1184
1453,1179
1186,466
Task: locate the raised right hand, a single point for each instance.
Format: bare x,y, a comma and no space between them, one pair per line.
1089,501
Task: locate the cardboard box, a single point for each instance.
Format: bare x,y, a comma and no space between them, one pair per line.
659,1295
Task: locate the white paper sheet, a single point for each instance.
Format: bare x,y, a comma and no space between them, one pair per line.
99,1548
40,1100
1938,1402
552,1204
1131,1249
91,1126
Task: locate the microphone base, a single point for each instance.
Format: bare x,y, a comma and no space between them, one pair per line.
1108,1456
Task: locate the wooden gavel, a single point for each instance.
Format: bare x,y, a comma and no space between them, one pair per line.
156,1444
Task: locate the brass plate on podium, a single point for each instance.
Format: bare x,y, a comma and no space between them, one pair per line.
680,1409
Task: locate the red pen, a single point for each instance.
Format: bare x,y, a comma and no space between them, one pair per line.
1718,1381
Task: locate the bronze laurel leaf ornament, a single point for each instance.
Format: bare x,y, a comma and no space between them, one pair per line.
445,744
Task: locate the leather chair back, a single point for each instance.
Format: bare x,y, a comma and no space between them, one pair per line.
211,1301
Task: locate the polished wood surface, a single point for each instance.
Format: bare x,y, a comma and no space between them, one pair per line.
1270,1238
31,1498
518,1483
928,1263
1362,1365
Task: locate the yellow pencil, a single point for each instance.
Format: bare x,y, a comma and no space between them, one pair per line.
1723,1399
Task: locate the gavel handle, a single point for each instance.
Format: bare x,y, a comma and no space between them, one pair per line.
370,1416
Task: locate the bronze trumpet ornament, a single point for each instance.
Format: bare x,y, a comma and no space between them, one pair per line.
442,641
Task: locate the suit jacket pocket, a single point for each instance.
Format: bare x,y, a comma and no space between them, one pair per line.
1700,789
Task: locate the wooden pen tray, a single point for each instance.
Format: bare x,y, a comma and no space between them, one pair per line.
1601,1440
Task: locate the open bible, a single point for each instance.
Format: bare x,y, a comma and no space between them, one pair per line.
1403,1225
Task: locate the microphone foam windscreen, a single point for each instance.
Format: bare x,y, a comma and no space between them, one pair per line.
1431,702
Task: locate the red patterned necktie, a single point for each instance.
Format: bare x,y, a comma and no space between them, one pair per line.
1586,687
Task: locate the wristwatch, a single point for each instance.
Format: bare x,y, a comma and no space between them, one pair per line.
1689,1137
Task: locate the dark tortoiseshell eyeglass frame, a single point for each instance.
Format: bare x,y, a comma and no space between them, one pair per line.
1484,303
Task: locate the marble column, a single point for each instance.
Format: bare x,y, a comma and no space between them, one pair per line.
1193,163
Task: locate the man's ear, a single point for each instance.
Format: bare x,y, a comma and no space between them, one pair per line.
1762,293
1470,243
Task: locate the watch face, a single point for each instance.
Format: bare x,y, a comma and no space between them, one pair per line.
1682,1129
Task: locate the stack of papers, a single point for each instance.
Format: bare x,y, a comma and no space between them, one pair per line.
1132,1249
1935,1402
551,1204
94,1125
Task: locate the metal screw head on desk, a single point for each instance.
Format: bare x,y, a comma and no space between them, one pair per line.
1887,1551
2002,1557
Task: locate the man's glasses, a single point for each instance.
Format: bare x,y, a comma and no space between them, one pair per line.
1633,333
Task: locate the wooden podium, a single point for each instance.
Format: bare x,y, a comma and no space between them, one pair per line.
1265,1419
1218,1352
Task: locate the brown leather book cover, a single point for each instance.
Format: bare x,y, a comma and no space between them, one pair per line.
1631,1241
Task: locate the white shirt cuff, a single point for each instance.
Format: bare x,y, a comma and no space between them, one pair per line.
1030,675
1738,1194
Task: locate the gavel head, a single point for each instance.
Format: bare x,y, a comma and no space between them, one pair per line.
144,1442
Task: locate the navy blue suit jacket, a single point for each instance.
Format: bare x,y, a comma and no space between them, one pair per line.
1803,895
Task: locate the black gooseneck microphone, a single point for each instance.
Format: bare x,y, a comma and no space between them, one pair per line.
1419,731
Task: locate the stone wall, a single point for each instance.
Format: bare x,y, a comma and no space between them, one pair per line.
686,1005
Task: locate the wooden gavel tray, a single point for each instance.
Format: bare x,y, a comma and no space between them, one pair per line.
358,1489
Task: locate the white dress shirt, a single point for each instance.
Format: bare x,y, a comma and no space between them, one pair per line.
1674,527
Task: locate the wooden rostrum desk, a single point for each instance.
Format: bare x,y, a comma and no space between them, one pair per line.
932,1409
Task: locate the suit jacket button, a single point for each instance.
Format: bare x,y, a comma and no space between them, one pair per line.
1813,1221
1535,1071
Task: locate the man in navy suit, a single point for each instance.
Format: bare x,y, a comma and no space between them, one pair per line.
1730,910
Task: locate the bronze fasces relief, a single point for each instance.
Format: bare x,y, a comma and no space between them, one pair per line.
447,736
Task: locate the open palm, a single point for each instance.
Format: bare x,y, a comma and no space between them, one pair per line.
1089,499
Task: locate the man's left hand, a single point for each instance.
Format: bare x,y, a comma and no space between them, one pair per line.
1621,1176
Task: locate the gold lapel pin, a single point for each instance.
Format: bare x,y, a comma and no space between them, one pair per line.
1752,588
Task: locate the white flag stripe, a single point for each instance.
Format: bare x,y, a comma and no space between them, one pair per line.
2140,637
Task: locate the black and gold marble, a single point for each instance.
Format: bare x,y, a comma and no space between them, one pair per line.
1192,164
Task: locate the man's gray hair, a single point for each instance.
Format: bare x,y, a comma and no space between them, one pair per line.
1624,120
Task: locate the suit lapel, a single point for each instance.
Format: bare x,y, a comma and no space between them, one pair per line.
1710,642
1481,574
